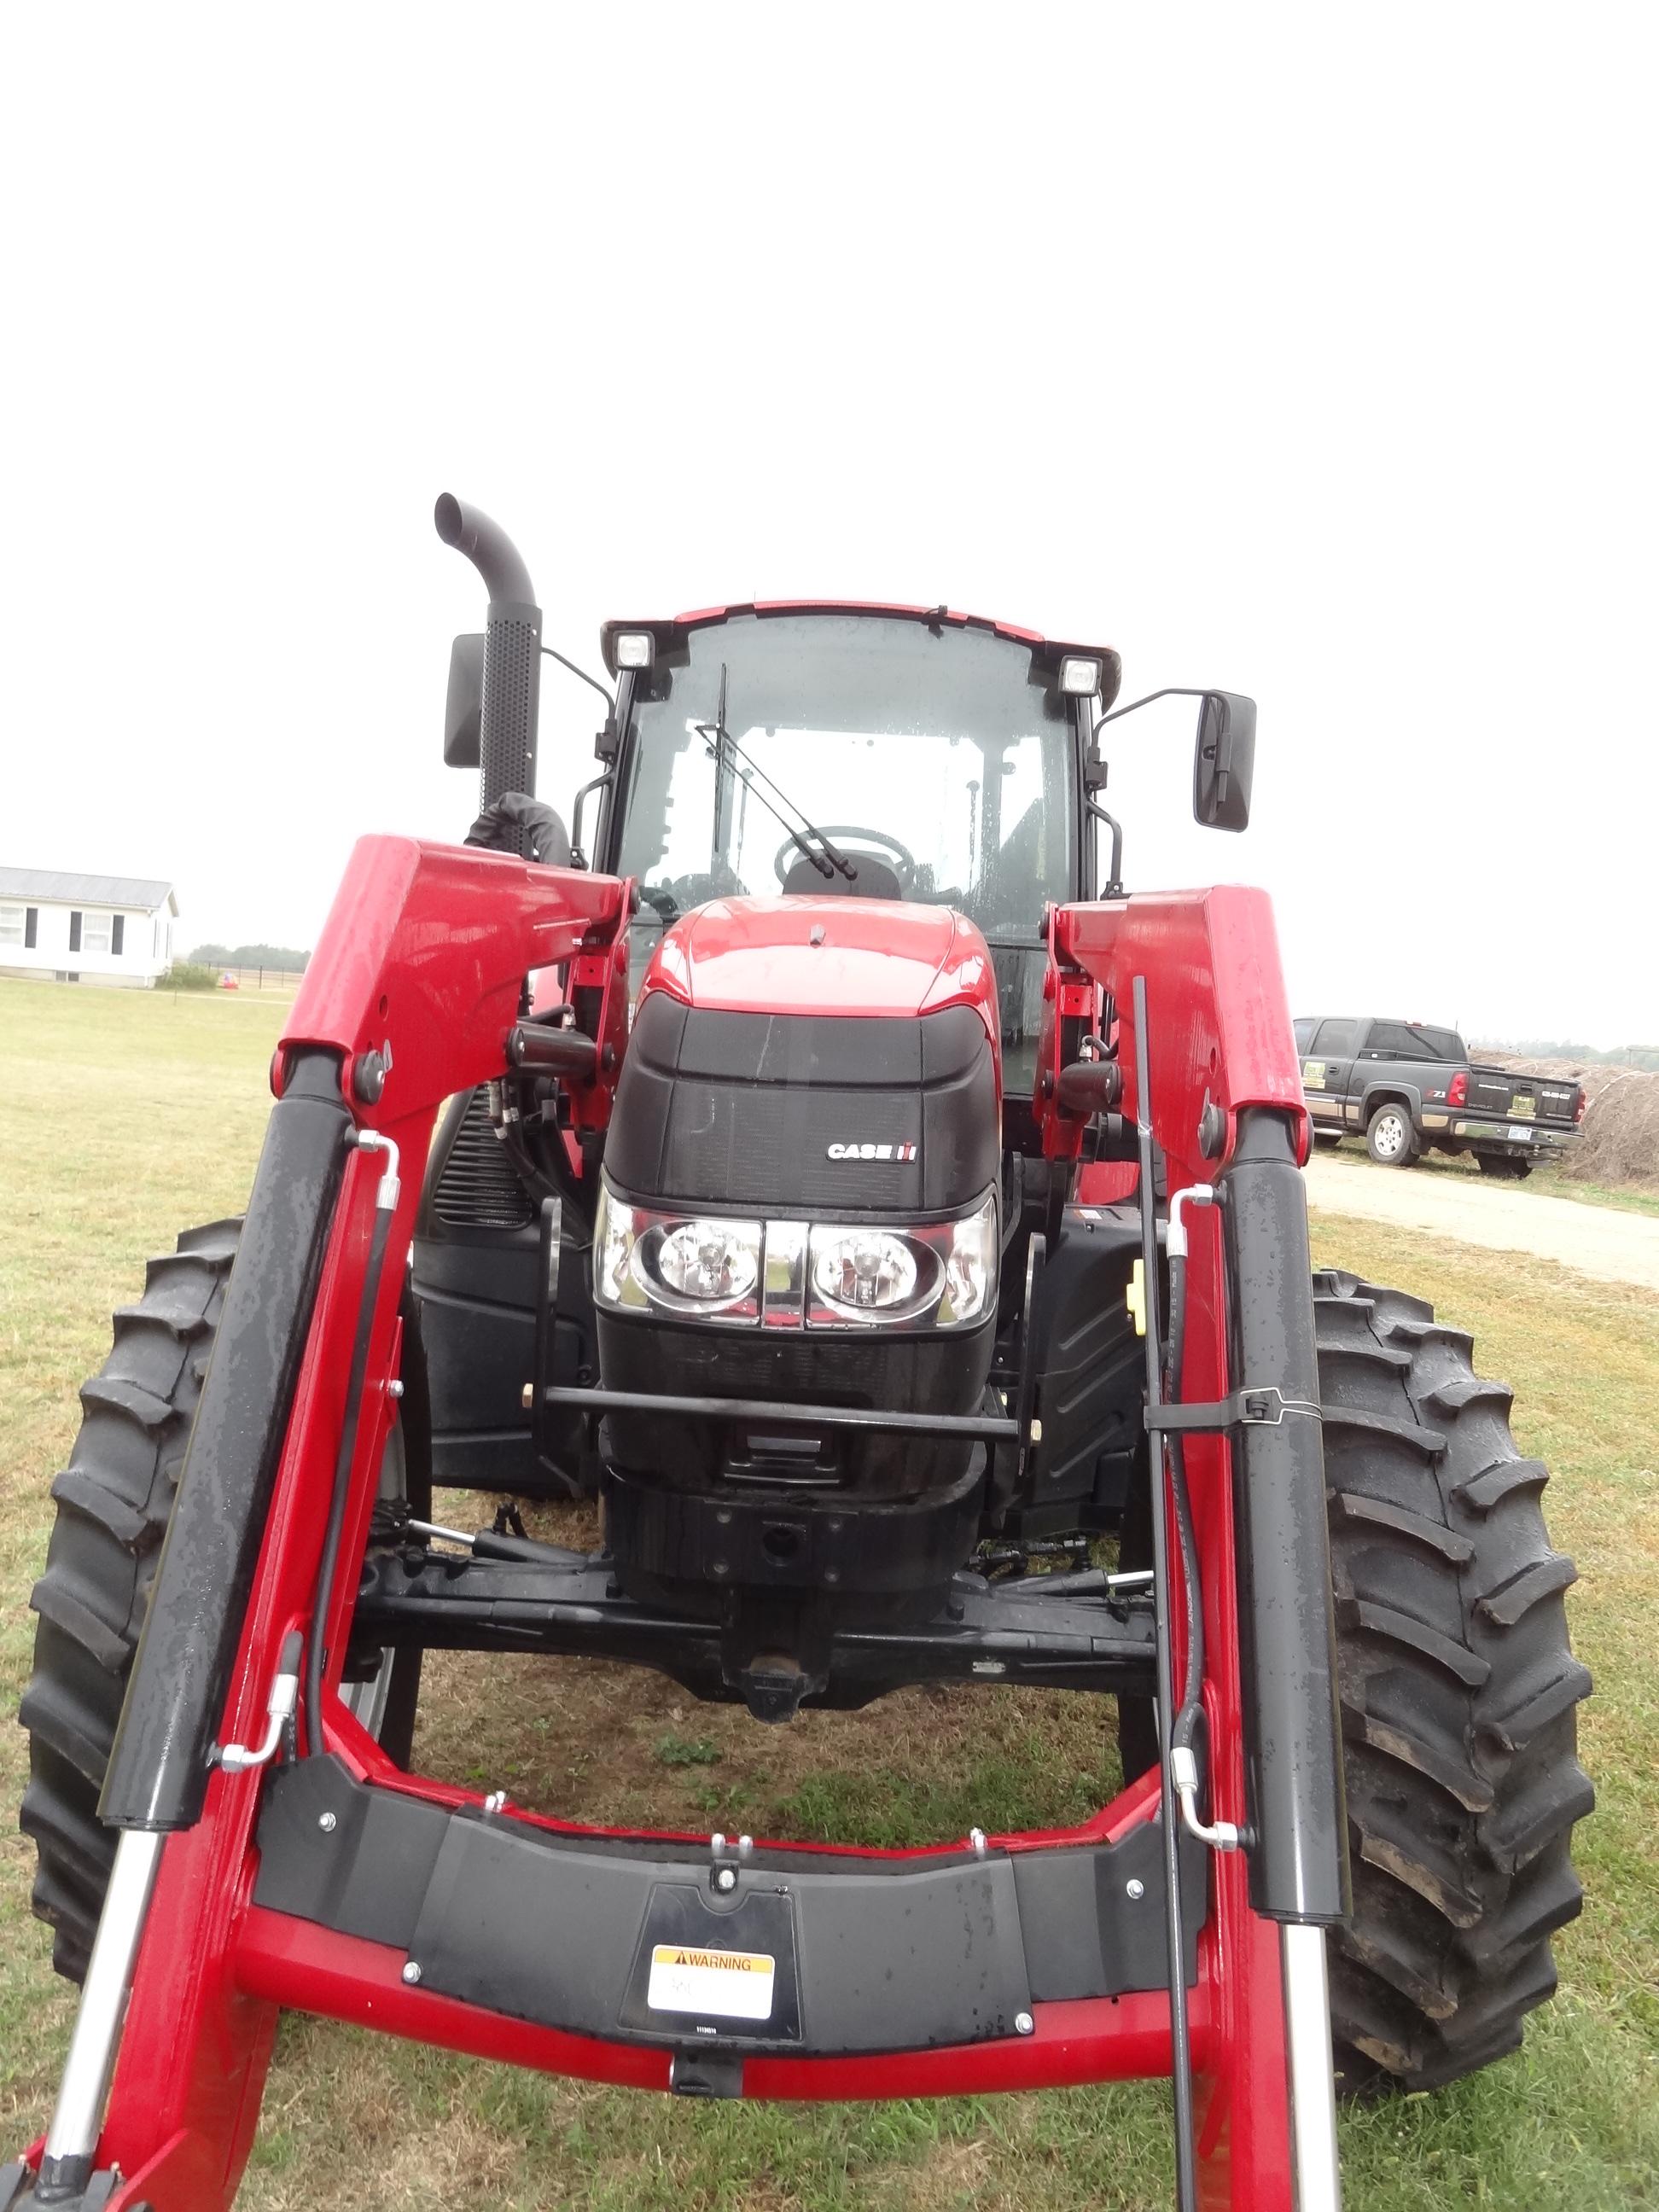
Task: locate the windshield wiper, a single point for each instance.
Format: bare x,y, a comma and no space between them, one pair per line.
828,861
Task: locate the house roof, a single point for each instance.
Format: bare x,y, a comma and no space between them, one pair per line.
70,889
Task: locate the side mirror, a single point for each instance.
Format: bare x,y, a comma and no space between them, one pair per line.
1223,761
465,705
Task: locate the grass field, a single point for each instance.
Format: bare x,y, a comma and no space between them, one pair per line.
124,1117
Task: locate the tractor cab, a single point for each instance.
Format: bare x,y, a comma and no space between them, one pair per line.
899,754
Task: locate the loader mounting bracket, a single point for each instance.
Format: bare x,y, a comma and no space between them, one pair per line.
1251,1407
18,2193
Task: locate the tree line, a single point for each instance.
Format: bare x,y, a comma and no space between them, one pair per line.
283,957
1645,1056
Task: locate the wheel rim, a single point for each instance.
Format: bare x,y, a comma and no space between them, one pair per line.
1389,1136
367,1701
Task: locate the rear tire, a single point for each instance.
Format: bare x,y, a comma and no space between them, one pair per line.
1389,1136
114,1502
1459,1697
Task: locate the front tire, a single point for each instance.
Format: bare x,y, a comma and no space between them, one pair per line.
114,1502
1389,1136
1459,1698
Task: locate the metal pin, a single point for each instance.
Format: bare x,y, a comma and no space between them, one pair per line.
1024,2023
1134,1888
327,1823
497,1801
976,1837
412,1971
725,1879
394,1388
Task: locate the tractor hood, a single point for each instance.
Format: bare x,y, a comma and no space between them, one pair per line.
826,955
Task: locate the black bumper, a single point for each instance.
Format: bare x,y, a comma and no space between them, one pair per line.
866,1956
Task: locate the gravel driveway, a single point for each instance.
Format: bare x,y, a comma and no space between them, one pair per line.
1618,1248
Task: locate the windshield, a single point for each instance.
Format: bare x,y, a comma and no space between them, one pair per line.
940,765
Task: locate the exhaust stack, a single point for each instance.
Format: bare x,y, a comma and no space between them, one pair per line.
512,650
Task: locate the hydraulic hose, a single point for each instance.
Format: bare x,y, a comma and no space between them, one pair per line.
1223,1835
1181,2052
385,1201
1192,1697
545,1172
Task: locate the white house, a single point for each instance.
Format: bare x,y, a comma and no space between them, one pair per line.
85,929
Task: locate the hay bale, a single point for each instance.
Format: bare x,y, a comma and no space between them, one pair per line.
1621,1139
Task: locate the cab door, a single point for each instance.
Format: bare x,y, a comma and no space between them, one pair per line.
1327,1072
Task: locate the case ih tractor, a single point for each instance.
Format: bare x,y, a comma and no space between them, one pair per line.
900,1230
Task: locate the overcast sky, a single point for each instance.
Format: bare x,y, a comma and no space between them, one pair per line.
1304,351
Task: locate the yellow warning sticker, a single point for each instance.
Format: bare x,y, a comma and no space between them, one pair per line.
725,1984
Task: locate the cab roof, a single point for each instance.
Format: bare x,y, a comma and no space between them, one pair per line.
1047,652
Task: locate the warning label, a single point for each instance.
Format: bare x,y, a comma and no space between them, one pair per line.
721,1984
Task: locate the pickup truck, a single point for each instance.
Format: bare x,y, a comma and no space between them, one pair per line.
1408,1089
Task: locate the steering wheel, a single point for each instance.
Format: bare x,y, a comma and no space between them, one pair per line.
789,851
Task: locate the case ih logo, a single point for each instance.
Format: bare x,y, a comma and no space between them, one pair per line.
873,1152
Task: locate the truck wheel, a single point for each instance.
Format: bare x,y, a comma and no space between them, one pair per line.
1389,1136
1459,1695
114,1501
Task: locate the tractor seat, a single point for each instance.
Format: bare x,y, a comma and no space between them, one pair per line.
876,878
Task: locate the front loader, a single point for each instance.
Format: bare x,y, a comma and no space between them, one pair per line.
899,1230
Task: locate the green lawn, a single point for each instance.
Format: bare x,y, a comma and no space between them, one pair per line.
123,1117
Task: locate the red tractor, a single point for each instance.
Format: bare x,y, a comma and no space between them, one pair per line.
900,1230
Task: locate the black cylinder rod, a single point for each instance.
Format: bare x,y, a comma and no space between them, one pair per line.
1292,1744
159,1768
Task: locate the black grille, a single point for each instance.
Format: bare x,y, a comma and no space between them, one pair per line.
742,1110
477,1188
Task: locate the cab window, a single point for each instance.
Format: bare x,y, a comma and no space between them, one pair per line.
1337,1040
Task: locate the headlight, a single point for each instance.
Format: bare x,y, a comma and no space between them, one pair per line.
644,1258
795,1274
870,1274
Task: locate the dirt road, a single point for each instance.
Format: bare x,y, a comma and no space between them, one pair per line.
1618,1248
